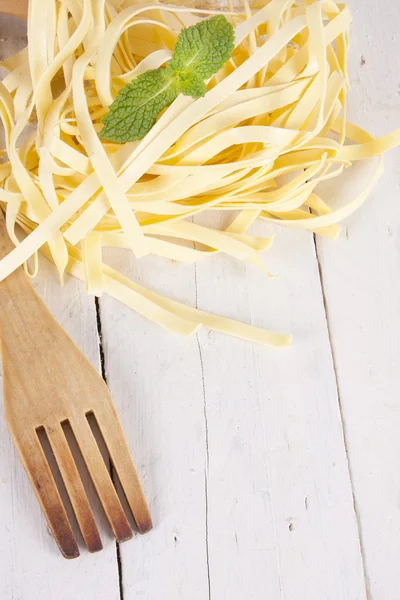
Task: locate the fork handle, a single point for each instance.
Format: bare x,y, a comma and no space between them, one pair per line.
6,244
15,291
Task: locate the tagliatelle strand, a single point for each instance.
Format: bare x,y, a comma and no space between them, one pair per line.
257,145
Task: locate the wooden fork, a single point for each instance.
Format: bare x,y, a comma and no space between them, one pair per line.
48,383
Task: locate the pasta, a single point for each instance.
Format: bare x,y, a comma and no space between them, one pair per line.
271,127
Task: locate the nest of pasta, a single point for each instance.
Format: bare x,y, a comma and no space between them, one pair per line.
271,127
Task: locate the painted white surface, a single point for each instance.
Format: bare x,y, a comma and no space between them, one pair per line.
361,276
241,449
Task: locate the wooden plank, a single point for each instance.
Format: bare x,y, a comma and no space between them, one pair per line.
362,287
275,437
31,566
155,380
240,448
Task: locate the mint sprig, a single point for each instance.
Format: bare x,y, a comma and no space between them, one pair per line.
200,52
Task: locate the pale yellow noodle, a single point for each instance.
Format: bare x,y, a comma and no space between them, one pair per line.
257,145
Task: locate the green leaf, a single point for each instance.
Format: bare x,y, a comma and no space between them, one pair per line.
200,52
204,48
192,85
135,109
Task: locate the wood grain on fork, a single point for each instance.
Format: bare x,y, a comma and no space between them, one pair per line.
74,487
47,382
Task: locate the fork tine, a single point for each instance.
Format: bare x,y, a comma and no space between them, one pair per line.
102,480
74,486
118,450
40,475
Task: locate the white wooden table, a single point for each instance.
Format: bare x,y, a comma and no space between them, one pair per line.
270,474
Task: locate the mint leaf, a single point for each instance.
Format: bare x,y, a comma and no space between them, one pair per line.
192,85
204,48
200,52
135,109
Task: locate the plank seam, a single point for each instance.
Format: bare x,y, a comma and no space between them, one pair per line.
342,422
111,468
206,470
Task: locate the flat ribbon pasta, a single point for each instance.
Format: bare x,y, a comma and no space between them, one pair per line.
271,127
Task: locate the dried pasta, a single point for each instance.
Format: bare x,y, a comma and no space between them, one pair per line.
271,127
